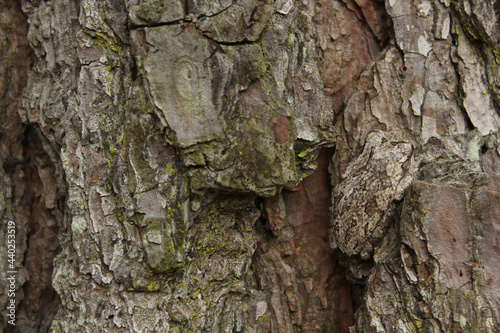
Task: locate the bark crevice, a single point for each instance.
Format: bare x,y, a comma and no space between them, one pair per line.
43,209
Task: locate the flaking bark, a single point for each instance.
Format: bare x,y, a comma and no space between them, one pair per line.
252,166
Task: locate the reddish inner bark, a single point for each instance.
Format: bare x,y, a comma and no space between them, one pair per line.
41,302
330,282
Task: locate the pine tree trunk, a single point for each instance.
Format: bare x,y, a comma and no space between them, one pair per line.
250,166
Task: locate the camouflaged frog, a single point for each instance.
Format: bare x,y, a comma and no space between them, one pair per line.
365,199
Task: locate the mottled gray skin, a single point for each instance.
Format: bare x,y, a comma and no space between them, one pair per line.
437,257
364,201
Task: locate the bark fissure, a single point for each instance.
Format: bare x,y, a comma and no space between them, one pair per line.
252,166
40,303
160,24
32,200
294,231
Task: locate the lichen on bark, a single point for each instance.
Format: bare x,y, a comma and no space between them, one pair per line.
252,166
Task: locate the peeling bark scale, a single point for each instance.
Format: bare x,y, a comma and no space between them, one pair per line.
250,165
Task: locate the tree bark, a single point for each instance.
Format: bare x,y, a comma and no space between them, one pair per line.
251,166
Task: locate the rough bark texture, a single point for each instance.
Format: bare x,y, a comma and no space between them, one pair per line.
251,166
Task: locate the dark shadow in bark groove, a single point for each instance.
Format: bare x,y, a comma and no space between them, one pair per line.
306,287
40,200
318,190
32,196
